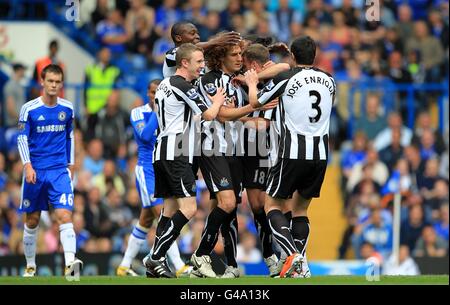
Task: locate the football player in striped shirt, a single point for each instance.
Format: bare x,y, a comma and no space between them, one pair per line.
46,147
145,123
306,98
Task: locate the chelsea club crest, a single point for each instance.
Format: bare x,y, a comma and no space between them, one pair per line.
62,116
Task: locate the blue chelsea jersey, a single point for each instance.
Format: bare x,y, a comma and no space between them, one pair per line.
46,134
144,124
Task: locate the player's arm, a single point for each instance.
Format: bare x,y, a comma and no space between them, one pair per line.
70,142
221,39
22,144
272,69
144,125
269,94
256,123
189,94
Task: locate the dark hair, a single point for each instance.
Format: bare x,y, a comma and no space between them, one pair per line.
254,38
215,55
156,81
257,52
53,44
51,68
185,52
177,29
304,50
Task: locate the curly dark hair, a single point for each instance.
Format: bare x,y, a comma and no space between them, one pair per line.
215,54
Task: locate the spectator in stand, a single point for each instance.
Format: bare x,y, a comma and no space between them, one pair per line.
3,175
411,228
246,251
143,39
14,96
109,179
384,138
438,27
405,266
211,26
94,161
111,33
281,20
100,86
82,234
312,27
426,182
436,198
372,122
340,32
257,11
404,24
111,128
441,225
430,244
166,15
391,154
234,8
425,122
427,144
330,49
431,51
368,251
139,12
356,155
317,8
195,12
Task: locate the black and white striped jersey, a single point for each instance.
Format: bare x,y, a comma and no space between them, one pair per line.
306,99
177,101
169,66
216,133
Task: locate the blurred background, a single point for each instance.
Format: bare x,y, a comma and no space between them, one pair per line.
389,130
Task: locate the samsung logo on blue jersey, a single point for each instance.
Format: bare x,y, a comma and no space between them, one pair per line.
51,128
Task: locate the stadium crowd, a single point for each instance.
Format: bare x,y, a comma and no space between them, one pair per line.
408,45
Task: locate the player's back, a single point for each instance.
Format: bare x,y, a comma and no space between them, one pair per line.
307,102
45,132
138,120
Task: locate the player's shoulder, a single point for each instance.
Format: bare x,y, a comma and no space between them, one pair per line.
137,113
210,77
171,53
31,105
286,74
322,71
65,103
180,82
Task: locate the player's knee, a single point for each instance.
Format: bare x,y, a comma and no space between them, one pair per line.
189,211
32,222
227,203
64,218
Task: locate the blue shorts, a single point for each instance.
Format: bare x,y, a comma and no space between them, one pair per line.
145,184
53,186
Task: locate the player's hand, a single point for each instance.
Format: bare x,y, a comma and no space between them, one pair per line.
270,105
251,77
30,174
219,97
238,80
226,38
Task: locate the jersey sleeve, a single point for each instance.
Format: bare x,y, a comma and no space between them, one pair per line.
170,62
70,143
145,126
187,92
274,88
24,133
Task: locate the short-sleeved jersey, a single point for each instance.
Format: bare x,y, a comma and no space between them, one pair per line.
177,101
138,119
46,134
216,133
306,99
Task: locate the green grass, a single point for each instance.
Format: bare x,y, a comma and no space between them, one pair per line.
248,280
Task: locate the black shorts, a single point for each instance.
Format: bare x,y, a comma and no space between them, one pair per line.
174,178
255,172
290,175
222,173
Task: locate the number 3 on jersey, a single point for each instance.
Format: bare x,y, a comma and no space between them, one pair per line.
69,200
315,106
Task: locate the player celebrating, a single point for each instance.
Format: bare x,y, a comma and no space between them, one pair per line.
186,32
306,98
145,123
177,102
46,147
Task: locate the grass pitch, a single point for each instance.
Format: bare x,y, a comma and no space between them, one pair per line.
247,280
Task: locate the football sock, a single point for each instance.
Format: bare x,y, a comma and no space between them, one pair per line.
265,235
281,232
300,232
288,216
29,245
229,231
162,222
68,241
173,254
170,233
135,241
211,231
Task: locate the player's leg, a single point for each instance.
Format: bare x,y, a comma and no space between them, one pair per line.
281,184
300,228
32,202
217,177
181,186
60,195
